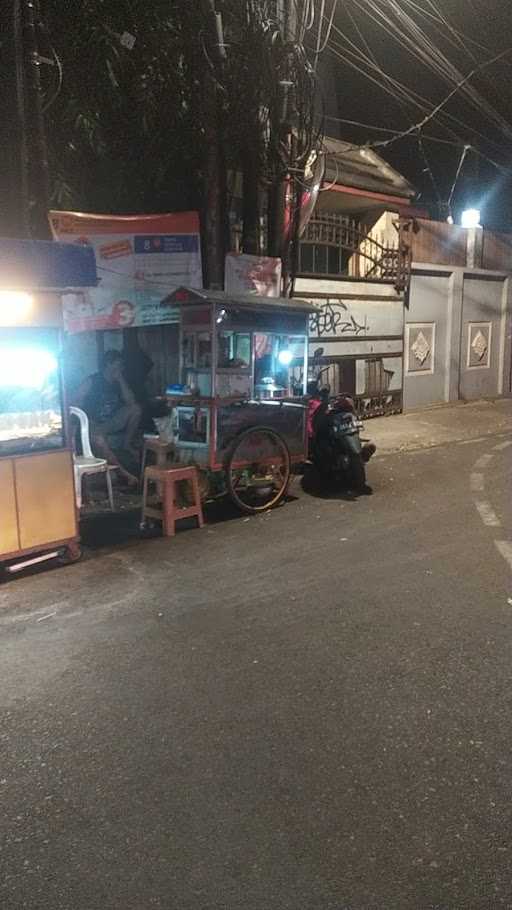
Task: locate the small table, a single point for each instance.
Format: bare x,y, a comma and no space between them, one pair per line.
161,449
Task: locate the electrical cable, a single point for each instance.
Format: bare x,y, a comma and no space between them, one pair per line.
396,89
400,101
60,71
420,45
451,142
465,151
390,85
319,35
430,173
329,27
325,189
463,39
418,126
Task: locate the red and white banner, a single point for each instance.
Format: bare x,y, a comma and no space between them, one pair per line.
140,259
253,275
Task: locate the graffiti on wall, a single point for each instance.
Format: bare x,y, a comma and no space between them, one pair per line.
334,318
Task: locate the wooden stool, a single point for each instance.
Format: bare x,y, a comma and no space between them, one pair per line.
161,450
166,479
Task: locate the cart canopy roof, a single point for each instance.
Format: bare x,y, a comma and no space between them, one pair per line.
185,296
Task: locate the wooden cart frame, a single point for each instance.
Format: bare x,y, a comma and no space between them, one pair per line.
245,444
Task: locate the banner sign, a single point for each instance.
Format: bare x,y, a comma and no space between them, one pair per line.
140,260
253,275
90,311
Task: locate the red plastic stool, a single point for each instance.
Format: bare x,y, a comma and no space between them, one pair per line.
162,451
170,513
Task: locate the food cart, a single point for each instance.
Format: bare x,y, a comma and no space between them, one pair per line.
239,413
38,518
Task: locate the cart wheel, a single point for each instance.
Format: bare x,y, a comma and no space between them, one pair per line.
258,470
72,553
147,526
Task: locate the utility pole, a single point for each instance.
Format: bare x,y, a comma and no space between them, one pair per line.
215,178
251,153
36,151
279,196
13,193
25,175
279,189
282,130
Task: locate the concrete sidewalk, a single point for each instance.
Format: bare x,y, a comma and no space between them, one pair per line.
441,425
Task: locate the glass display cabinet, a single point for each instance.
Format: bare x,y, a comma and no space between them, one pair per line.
38,518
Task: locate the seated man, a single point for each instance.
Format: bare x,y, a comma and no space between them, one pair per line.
111,408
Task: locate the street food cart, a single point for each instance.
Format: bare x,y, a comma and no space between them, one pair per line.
239,413
37,497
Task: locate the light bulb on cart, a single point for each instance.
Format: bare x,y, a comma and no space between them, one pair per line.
285,358
15,306
470,218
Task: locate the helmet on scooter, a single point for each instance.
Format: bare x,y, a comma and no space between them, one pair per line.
344,403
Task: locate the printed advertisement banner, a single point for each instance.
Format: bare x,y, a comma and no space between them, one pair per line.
139,259
253,275
90,311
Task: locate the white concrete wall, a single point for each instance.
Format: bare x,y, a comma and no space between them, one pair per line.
453,341
358,320
382,231
361,316
457,336
344,287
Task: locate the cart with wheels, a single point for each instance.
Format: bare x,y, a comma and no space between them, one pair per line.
239,413
38,518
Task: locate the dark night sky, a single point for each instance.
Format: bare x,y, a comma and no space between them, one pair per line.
488,23
486,27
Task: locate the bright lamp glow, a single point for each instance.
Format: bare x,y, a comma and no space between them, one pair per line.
470,218
15,306
285,358
27,368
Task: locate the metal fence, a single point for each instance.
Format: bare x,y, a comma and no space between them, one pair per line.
336,245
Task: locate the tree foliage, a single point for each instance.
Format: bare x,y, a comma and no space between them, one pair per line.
125,131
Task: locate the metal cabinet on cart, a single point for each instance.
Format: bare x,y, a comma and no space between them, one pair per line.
37,503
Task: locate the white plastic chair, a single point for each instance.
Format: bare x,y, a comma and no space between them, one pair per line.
87,463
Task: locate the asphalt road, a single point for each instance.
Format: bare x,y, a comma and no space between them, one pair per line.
309,710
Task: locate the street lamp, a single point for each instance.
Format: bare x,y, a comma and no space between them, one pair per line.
470,218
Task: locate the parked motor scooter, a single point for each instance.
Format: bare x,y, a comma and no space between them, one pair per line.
337,451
